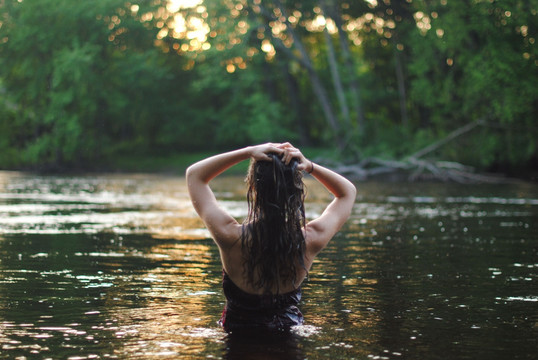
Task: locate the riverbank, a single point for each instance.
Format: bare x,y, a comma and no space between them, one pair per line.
177,163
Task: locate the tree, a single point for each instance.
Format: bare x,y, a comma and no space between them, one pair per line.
474,60
84,78
81,81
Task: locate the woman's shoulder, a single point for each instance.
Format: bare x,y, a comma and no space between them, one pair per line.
315,238
228,237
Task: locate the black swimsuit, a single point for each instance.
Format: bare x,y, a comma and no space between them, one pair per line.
245,311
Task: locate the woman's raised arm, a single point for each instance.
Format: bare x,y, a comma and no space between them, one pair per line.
222,226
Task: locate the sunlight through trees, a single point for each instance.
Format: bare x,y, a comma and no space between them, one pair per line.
81,82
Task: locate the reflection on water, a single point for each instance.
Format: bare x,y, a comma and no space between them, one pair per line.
120,266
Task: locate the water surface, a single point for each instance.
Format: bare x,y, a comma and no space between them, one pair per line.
119,266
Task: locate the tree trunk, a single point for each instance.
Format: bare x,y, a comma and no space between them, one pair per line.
351,76
317,85
295,103
401,87
335,75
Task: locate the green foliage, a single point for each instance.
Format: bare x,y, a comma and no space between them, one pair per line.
476,63
82,82
87,88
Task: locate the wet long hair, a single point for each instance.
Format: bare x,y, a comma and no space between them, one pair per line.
272,236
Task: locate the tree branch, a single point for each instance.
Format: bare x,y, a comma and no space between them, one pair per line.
417,168
454,134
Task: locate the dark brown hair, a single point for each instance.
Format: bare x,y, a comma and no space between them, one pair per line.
272,235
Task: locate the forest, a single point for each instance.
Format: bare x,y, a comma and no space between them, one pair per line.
436,86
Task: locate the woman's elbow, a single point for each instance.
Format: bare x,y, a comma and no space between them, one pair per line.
351,190
191,175
192,172
352,194
188,172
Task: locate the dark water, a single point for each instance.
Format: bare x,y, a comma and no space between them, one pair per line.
120,267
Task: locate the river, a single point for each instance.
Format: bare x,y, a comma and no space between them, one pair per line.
119,266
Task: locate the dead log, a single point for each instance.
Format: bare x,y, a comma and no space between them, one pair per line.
414,167
454,134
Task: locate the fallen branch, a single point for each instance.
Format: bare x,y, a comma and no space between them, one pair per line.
418,170
454,134
413,167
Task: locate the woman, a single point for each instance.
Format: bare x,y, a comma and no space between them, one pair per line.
266,258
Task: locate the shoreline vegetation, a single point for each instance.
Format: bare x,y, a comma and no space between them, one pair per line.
378,169
410,90
409,169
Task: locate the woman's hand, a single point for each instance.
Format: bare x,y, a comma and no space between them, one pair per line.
291,152
260,152
286,150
